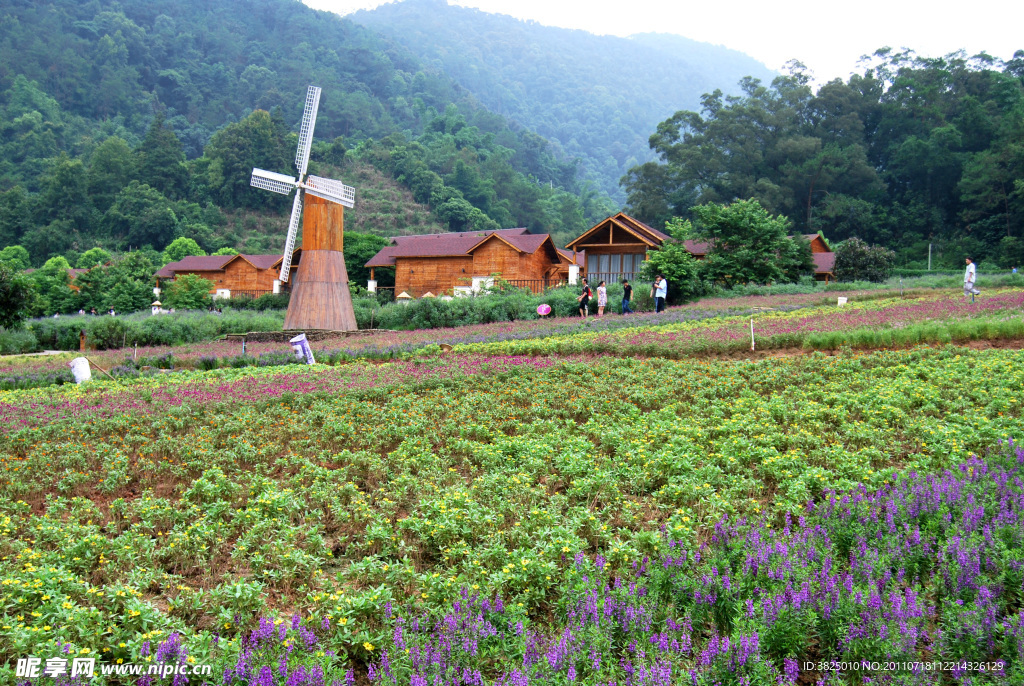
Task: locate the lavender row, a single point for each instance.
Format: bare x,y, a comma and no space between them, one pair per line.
920,582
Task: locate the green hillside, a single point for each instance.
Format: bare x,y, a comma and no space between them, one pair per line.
922,155
129,124
599,97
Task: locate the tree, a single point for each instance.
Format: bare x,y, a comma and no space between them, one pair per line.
259,140
180,248
15,215
795,258
111,167
93,257
189,292
229,251
858,261
748,244
674,262
51,284
161,160
15,296
141,215
64,195
15,257
359,248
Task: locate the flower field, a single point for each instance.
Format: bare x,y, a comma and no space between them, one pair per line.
885,323
508,514
708,327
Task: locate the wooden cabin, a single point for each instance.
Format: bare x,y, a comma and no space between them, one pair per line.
460,263
232,275
616,247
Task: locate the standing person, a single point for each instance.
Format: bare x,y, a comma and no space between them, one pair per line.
970,275
659,291
627,296
584,299
602,298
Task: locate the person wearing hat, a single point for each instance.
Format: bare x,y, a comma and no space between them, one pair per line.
970,275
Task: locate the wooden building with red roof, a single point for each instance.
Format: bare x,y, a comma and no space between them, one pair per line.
231,275
616,247
450,263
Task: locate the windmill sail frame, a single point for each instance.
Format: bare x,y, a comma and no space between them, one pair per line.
328,189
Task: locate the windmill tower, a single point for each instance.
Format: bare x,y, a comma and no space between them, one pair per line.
320,296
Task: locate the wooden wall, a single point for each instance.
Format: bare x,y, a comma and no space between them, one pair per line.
438,275
497,257
217,277
240,275
536,265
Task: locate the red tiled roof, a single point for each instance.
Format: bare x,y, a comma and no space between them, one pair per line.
212,263
824,262
697,247
452,244
262,261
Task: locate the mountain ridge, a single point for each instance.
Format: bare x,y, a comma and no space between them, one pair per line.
598,97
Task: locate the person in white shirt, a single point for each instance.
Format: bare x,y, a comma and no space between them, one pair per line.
970,276
659,291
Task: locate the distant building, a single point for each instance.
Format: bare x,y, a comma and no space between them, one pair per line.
617,246
232,275
456,263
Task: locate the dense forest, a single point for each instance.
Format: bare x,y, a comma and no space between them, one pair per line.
129,124
912,152
597,97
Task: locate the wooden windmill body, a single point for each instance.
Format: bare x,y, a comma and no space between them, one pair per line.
320,296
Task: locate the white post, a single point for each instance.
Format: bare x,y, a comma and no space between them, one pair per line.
371,286
574,274
751,334
277,286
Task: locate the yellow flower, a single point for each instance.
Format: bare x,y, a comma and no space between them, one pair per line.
368,646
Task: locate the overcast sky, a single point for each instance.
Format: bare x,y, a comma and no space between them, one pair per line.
829,37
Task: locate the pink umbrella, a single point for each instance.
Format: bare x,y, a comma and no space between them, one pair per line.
543,309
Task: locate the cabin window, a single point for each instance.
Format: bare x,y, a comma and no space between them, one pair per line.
607,267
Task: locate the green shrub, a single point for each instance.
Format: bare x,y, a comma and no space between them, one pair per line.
17,341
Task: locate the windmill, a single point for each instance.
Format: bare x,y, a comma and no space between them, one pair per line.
320,296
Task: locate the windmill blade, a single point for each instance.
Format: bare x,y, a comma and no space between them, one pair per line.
269,181
306,129
289,242
332,190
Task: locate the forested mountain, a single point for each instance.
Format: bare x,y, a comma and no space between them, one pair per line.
914,151
130,123
599,97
